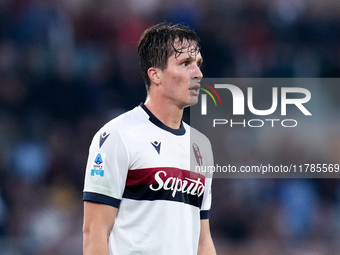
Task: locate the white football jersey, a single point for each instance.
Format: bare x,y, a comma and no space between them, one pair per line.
142,167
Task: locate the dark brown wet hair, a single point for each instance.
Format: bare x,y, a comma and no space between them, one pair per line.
160,41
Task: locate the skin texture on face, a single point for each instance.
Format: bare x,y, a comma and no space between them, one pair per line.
180,80
177,86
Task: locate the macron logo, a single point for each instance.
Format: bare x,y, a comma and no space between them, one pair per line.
157,146
103,138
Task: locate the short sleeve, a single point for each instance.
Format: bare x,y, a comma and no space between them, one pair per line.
207,161
107,167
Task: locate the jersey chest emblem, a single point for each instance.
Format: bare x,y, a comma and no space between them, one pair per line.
157,146
197,153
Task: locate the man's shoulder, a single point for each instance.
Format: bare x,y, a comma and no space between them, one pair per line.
196,134
122,127
126,119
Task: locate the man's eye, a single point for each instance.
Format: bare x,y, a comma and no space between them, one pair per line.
186,63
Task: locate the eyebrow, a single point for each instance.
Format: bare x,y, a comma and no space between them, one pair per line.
194,59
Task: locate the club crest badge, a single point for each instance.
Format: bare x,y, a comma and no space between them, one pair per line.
197,153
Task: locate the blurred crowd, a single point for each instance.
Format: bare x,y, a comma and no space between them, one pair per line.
69,66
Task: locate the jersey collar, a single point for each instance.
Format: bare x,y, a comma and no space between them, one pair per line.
158,123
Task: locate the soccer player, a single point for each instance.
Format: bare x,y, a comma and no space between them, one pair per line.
140,194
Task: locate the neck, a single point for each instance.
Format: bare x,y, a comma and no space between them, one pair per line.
169,114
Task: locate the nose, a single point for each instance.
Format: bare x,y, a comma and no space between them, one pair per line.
197,72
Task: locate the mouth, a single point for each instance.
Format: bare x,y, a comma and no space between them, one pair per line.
195,89
195,86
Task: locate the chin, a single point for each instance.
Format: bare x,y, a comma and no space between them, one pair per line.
193,101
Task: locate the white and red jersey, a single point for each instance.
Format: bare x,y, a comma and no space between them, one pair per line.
142,167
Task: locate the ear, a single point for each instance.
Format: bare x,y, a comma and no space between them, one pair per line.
154,75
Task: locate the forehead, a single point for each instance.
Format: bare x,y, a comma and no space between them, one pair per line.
186,48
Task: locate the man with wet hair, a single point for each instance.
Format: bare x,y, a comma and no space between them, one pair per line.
140,196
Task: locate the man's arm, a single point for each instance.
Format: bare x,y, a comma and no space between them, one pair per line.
98,223
205,245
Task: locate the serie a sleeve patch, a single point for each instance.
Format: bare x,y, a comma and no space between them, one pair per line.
98,165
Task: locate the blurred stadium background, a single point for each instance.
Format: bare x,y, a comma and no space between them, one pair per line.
68,66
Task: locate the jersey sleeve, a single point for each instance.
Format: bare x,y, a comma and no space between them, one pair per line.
106,169
207,197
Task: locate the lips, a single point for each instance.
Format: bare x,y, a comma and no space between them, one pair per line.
194,90
194,85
